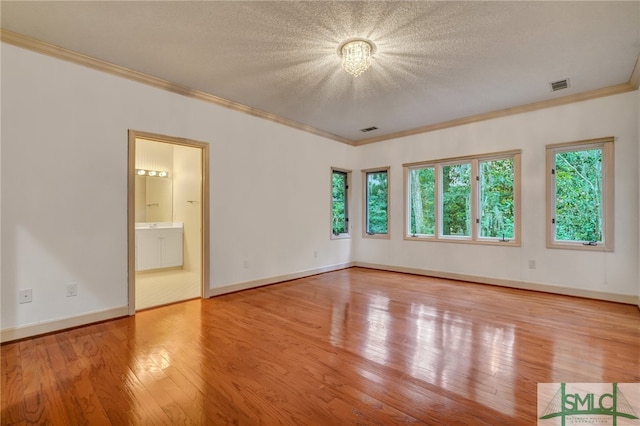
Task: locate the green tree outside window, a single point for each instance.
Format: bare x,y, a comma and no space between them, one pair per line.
578,201
377,213
422,187
456,200
339,219
497,216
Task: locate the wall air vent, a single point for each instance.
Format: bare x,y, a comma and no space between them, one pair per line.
559,85
368,129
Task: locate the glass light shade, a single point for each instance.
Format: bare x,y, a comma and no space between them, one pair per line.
152,173
356,57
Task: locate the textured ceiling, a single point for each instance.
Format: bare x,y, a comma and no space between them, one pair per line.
434,61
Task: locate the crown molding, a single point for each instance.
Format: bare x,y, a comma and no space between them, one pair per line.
58,52
97,64
578,97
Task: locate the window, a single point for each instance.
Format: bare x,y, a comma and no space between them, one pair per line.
376,211
340,203
497,195
456,200
468,199
580,192
422,207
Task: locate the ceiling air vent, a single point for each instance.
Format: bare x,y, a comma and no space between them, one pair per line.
368,129
559,85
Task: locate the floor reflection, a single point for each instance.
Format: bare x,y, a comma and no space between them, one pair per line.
480,353
375,347
339,317
350,347
444,349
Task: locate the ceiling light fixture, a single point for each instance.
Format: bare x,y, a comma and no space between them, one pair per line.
356,55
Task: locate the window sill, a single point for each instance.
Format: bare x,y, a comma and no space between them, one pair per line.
376,236
600,247
467,240
340,236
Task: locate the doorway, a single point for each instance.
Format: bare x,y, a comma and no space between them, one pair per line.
168,220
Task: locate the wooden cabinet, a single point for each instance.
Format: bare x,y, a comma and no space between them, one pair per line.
158,248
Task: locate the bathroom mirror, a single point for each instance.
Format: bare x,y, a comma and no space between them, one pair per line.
154,199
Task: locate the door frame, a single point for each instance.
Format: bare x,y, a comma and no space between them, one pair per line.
131,225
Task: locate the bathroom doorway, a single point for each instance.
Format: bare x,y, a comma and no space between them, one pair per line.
168,211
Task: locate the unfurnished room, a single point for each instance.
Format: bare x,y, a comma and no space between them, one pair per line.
320,212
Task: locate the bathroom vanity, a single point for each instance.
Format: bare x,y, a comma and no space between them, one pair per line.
158,245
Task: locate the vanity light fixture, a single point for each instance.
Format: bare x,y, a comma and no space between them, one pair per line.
356,55
152,173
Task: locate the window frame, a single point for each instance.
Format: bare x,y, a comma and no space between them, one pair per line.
472,195
606,144
347,201
365,205
474,161
407,200
516,157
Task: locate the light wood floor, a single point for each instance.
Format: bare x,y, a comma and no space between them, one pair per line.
350,347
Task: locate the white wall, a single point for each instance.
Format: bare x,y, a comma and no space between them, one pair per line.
615,272
64,191
64,187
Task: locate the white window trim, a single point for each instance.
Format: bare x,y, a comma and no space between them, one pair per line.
608,169
407,199
364,204
475,194
517,212
344,235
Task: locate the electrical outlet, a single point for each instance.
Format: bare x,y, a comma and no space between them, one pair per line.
532,264
25,296
72,290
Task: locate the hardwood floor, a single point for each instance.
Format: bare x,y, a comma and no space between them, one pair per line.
355,346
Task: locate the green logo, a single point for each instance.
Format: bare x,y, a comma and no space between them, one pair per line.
579,402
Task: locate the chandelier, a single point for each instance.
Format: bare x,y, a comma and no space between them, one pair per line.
356,56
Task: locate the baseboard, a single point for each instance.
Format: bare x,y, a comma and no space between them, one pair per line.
277,279
10,334
523,285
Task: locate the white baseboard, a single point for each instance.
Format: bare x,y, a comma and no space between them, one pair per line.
273,280
523,285
30,330
10,334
